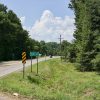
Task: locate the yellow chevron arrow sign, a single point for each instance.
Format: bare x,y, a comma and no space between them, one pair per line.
23,57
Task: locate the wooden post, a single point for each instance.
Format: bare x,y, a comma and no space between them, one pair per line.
23,70
23,61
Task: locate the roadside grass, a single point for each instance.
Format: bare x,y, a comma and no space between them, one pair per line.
56,81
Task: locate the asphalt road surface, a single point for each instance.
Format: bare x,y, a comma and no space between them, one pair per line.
12,66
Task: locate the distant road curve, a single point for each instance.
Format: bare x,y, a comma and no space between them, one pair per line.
12,66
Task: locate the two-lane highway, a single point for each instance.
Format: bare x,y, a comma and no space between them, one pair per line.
12,66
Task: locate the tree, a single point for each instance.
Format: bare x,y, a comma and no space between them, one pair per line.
87,34
13,38
52,48
43,49
65,49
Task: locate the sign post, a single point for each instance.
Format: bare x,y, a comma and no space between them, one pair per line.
37,64
23,61
31,63
23,70
35,54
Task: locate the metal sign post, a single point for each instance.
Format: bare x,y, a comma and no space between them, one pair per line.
35,54
37,64
31,63
23,61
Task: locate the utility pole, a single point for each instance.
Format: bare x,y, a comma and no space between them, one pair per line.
60,46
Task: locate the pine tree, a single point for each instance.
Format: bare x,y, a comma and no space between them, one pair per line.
87,34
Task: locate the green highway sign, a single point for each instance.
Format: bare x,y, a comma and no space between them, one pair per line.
34,54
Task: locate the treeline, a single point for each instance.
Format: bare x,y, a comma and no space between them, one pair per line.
14,39
85,50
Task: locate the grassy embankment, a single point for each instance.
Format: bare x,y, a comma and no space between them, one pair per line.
56,81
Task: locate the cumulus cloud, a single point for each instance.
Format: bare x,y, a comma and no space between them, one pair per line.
49,27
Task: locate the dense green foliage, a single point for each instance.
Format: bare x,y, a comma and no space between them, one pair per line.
14,39
87,34
64,52
52,48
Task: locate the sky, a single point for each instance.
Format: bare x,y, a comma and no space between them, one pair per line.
44,19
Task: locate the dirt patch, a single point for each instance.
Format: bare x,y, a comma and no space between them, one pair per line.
89,92
5,96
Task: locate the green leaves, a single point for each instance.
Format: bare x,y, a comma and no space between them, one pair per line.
12,36
87,34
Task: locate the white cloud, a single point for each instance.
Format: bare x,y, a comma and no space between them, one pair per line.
22,19
49,27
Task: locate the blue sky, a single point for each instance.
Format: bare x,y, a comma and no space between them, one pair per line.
31,11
